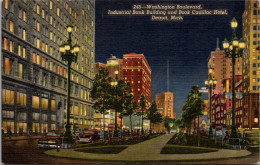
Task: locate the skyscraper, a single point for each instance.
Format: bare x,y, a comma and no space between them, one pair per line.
251,64
34,76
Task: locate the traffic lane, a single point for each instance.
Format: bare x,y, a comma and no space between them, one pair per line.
27,152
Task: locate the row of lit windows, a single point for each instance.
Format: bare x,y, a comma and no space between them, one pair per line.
8,68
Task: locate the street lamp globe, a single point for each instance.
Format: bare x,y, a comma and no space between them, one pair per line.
225,43
230,47
112,83
210,82
76,48
242,43
233,23
62,49
116,83
116,71
67,46
215,81
206,82
210,70
235,41
70,28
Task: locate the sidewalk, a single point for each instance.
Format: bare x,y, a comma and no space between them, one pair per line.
13,138
149,151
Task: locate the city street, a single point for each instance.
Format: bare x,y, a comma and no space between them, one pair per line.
26,151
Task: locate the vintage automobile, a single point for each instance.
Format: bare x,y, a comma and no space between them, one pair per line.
53,139
250,139
89,136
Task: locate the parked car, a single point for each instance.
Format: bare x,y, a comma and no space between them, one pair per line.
89,136
250,139
52,139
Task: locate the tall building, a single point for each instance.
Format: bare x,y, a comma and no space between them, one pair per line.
137,72
34,77
165,101
222,67
251,64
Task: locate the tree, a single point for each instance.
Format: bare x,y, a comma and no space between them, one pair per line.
193,107
118,93
100,92
142,105
153,115
130,109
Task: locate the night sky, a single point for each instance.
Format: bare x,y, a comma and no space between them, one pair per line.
186,44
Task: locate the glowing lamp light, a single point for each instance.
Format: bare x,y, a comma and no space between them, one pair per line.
112,83
233,23
235,42
225,43
62,49
67,47
211,82
215,81
115,82
242,44
206,82
116,71
76,48
69,28
230,47
210,70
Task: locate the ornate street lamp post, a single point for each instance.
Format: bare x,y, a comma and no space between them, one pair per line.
210,84
114,84
233,50
69,53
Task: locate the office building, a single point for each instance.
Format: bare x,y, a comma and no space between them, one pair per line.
34,77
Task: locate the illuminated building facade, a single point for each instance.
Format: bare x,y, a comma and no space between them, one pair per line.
34,77
166,102
251,64
137,72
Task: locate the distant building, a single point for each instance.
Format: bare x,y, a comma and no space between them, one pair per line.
251,64
137,72
34,77
165,101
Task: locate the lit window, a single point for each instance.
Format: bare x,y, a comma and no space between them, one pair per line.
43,13
44,103
11,26
38,26
43,46
34,57
38,59
38,9
38,43
53,105
51,66
46,48
67,6
11,46
6,4
50,4
43,62
70,10
256,120
24,53
24,15
51,35
5,43
21,98
75,15
51,50
20,67
24,34
7,66
58,11
35,102
7,96
76,110
19,50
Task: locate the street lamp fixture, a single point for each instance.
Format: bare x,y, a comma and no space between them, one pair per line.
114,84
210,84
233,50
69,53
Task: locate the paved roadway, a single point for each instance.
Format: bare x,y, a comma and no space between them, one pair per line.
27,152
